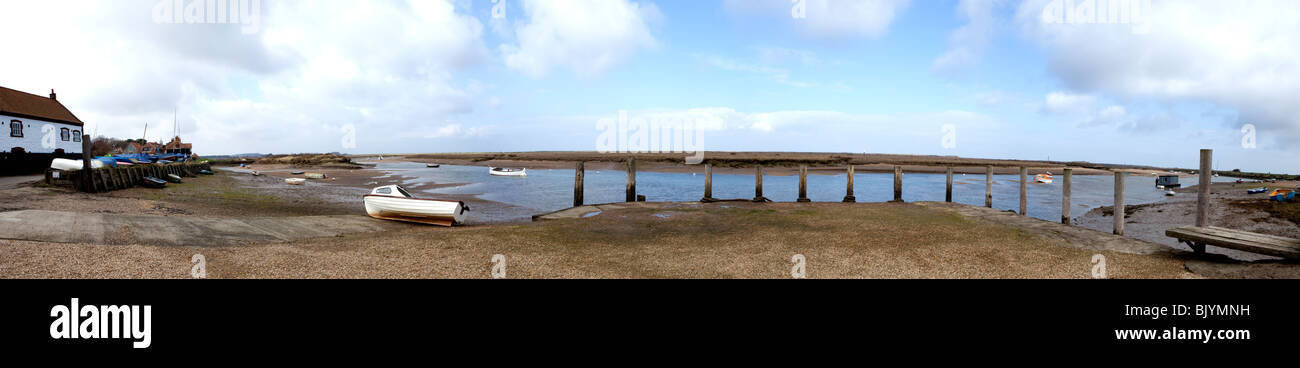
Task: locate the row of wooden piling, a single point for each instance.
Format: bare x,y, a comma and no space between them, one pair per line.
115,178
898,188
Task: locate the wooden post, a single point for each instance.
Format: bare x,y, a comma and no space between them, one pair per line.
86,184
113,180
49,176
988,186
1119,203
848,196
631,179
577,184
947,197
100,185
1203,188
1065,197
898,183
708,182
758,184
1024,190
803,184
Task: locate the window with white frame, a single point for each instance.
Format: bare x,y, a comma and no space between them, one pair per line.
16,129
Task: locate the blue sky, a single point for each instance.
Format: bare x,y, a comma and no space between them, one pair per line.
881,76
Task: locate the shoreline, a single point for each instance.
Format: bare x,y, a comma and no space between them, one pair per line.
1231,208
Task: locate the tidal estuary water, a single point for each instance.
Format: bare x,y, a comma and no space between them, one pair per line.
550,190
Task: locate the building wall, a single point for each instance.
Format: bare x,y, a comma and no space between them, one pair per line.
33,133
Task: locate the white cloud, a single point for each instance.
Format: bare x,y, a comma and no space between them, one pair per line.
1236,55
585,36
828,19
381,66
779,75
967,44
1067,103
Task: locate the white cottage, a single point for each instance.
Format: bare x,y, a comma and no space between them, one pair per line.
39,128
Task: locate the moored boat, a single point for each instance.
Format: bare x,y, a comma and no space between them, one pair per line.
315,176
295,181
172,178
1044,178
432,166
1256,190
392,202
501,171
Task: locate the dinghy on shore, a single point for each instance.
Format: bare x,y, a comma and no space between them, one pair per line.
501,171
152,182
295,181
71,165
392,202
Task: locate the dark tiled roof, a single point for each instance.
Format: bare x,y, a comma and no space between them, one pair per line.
22,104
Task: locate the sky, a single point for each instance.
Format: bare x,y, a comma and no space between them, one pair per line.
1089,80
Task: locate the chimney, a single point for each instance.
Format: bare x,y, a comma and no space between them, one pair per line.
53,96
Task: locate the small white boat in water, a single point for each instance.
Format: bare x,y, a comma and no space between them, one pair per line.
295,181
392,202
501,171
1045,178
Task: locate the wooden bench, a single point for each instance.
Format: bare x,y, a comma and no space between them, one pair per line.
1199,237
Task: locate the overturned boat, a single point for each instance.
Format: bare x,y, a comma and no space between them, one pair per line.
392,202
501,171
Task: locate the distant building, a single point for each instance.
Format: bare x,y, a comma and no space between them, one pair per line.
176,146
40,128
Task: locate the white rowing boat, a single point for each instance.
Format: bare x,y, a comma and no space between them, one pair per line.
73,165
501,171
295,181
392,202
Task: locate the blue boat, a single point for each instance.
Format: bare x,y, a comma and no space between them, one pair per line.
1257,190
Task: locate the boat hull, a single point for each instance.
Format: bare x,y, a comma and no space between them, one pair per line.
425,211
494,171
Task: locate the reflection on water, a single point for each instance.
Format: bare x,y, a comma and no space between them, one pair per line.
550,190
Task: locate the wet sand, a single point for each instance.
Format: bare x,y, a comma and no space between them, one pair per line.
1231,208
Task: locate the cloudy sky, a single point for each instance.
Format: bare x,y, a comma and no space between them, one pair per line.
1038,79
